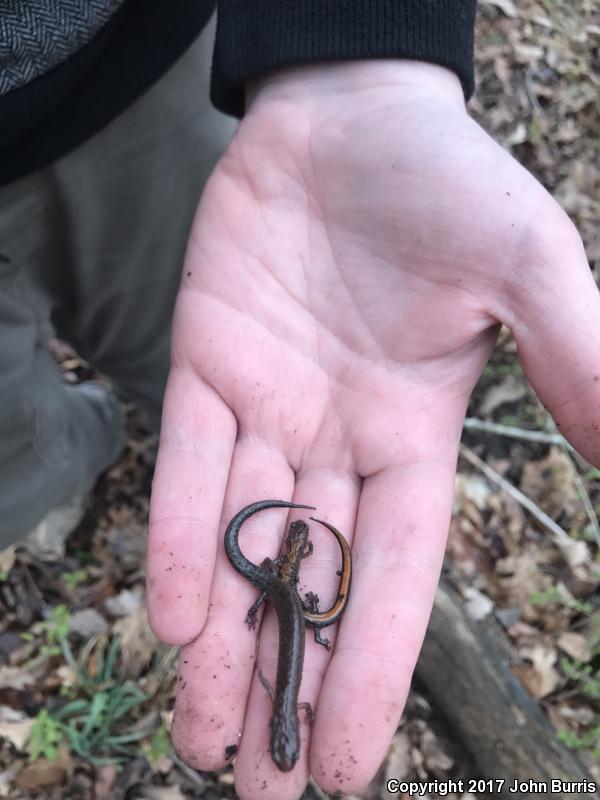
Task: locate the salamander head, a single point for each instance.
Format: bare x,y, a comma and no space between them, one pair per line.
285,743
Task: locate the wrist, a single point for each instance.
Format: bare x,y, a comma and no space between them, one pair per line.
313,83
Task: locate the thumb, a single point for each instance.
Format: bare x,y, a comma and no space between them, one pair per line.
555,319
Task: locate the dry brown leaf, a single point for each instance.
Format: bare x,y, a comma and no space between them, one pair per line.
528,53
468,556
583,580
508,520
575,645
530,643
506,6
550,483
540,677
437,760
7,781
508,390
87,622
503,72
523,634
138,643
477,605
126,602
47,540
105,778
17,733
398,761
127,538
573,199
576,552
566,715
517,577
592,630
44,774
151,792
518,135
15,678
470,488
66,676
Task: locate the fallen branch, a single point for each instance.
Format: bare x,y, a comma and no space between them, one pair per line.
465,667
473,423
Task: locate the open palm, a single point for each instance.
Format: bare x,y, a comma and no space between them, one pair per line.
350,262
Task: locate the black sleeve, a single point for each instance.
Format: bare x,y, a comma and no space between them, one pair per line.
255,37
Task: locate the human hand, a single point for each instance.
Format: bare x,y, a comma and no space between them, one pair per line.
352,257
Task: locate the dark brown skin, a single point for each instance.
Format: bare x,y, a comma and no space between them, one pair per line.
278,581
285,737
287,566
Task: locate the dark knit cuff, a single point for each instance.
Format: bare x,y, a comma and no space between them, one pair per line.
255,37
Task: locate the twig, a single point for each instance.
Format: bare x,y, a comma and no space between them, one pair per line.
531,95
191,774
587,504
522,499
472,423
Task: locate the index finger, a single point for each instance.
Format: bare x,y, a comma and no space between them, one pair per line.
196,444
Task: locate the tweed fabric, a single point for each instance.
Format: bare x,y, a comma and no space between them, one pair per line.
38,35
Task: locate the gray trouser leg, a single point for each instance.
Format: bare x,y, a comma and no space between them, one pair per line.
92,248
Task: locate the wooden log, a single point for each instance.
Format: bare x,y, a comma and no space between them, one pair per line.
465,665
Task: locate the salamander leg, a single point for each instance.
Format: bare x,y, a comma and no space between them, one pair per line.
267,684
307,708
320,640
309,549
311,604
269,565
252,615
